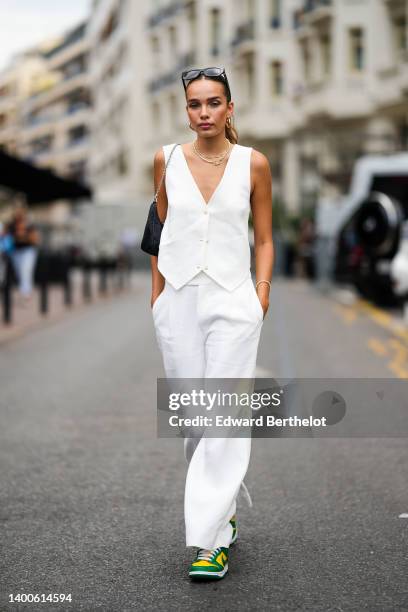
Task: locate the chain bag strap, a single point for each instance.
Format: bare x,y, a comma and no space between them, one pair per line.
152,232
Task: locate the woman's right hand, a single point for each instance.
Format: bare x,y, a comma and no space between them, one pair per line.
153,298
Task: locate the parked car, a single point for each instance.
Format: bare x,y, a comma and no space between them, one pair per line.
399,265
368,226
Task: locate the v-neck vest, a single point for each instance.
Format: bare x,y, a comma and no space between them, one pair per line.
205,238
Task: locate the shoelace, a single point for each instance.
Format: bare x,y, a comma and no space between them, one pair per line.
206,555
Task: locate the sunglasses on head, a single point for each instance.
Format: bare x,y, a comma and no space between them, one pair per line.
213,73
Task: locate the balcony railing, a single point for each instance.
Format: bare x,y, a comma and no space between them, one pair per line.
76,34
76,107
311,10
173,75
32,121
72,75
311,5
165,13
245,31
298,19
79,141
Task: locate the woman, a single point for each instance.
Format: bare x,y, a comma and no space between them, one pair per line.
24,254
206,311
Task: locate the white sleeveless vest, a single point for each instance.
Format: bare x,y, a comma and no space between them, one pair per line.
206,238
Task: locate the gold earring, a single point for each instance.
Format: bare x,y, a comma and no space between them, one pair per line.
228,122
191,127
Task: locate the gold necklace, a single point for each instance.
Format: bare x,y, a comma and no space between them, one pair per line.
216,160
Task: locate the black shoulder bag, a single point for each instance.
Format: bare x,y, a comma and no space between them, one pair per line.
152,233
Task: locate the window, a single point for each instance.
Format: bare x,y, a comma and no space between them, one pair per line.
155,46
77,134
156,52
156,114
250,9
173,39
74,67
192,19
306,60
215,31
403,135
173,108
356,45
109,27
43,144
400,34
250,75
276,78
123,163
276,13
77,169
325,47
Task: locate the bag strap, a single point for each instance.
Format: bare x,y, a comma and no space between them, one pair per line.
164,172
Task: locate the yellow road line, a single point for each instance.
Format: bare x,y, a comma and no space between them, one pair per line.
347,314
395,350
377,346
382,318
398,370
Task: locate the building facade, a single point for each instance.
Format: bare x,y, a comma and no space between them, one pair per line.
55,118
316,84
119,130
17,83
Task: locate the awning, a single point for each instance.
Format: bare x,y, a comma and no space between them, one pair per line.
38,185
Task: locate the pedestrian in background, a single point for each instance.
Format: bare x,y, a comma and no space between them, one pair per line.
6,247
24,253
305,248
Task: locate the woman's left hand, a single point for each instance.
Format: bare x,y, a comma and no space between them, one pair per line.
263,296
265,305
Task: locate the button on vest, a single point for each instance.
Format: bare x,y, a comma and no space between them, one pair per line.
206,238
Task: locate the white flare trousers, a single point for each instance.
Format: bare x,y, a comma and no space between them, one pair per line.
206,331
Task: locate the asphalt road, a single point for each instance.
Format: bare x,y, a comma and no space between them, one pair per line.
92,500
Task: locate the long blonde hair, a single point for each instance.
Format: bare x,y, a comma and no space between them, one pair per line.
231,133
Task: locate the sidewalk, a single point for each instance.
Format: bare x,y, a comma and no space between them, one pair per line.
26,317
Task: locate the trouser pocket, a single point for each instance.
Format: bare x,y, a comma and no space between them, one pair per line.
258,304
158,300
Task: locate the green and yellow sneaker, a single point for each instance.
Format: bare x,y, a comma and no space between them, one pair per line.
210,564
233,521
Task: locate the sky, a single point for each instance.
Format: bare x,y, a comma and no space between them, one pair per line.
24,23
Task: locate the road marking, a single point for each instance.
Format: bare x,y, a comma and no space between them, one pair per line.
395,350
347,313
403,515
382,318
398,370
400,359
377,346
